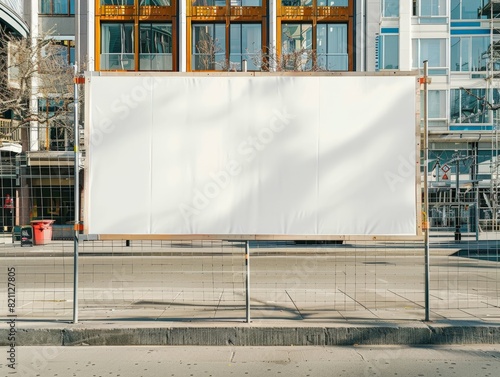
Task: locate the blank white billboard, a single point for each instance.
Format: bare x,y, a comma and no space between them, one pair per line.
251,155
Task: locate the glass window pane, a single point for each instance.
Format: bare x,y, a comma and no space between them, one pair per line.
321,40
72,7
437,104
45,6
72,55
432,7
455,106
117,46
296,47
60,6
466,59
433,50
160,3
155,47
390,8
209,44
470,9
466,9
389,47
479,53
465,45
235,38
296,37
296,3
117,2
455,9
248,3
245,44
331,47
455,54
468,106
333,3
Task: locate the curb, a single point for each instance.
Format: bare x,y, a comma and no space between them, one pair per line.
257,336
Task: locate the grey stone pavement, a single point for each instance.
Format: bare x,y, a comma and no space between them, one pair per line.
464,306
226,361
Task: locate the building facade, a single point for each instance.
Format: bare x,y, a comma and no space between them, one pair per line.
458,38
38,170
12,24
205,35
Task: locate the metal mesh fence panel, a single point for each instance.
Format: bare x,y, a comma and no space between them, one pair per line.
189,280
175,280
325,281
36,258
205,280
465,276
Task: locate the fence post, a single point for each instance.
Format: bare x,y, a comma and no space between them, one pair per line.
247,280
426,195
76,144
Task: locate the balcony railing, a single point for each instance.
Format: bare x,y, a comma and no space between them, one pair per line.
155,62
334,61
117,61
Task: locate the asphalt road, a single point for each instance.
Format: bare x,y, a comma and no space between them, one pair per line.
122,361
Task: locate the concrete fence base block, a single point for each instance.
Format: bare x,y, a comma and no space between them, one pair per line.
256,335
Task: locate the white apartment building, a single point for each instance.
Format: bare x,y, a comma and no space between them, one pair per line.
456,38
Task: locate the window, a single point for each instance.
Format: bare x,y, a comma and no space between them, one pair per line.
117,46
296,46
117,2
209,3
56,54
468,106
428,8
389,51
245,44
155,47
209,47
66,49
296,3
434,51
436,104
58,118
390,8
466,9
331,47
333,3
469,53
246,3
57,7
160,3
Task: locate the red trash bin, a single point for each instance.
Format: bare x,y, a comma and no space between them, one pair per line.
42,231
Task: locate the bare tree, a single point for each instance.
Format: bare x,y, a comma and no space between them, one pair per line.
207,49
36,90
298,60
35,70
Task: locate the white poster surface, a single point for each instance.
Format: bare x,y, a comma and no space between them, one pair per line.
245,155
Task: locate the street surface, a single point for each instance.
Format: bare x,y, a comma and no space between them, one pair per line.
356,361
205,281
